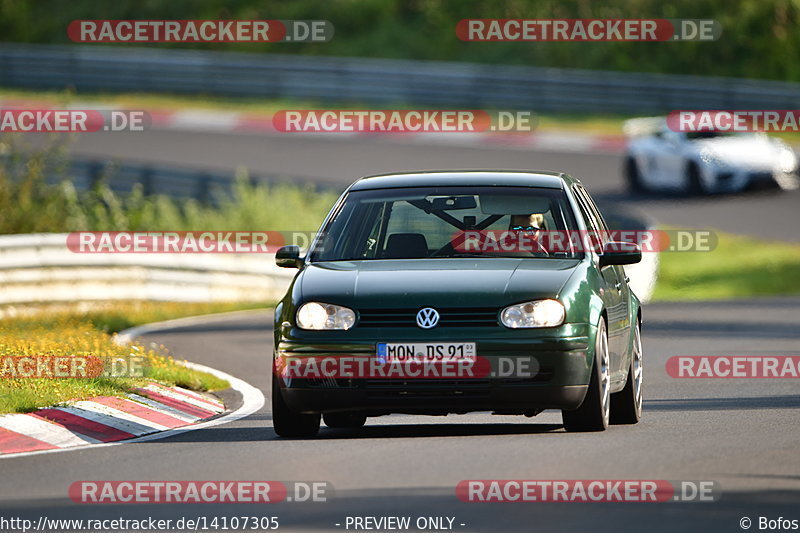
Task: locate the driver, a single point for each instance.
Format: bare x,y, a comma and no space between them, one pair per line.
528,223
530,226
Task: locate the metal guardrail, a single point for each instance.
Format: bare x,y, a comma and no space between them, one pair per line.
122,177
177,182
378,81
40,268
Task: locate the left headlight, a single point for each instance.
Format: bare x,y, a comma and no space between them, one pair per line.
535,314
319,316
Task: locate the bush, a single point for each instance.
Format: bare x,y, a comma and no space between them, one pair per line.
36,196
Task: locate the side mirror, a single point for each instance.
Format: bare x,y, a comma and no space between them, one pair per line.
288,257
620,253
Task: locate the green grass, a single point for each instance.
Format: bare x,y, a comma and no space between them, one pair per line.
113,317
739,267
33,394
64,334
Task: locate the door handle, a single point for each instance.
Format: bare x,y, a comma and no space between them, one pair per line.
627,279
618,286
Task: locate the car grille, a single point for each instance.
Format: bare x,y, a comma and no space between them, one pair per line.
756,177
330,383
448,317
725,176
399,388
427,388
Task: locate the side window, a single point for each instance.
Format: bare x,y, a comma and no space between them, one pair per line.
593,208
354,244
594,221
588,217
370,248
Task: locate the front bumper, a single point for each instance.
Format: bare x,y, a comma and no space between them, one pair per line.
531,370
738,179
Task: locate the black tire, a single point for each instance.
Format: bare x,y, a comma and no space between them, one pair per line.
626,405
695,183
344,420
288,423
594,412
633,176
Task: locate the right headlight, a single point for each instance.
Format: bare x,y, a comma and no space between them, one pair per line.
534,314
787,160
320,316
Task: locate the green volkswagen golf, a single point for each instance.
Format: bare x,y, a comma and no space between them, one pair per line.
453,292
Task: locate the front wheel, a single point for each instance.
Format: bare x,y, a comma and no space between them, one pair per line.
594,412
695,181
288,423
633,176
626,405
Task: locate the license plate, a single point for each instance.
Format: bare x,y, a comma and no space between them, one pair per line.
425,352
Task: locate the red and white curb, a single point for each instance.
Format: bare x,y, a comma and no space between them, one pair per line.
212,121
151,409
154,412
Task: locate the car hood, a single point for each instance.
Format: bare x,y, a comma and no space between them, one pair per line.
745,151
485,282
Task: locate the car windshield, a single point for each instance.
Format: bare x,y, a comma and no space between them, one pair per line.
445,222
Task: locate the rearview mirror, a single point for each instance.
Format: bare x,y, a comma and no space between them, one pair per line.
620,253
288,257
453,203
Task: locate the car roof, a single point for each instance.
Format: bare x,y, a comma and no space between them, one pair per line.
508,178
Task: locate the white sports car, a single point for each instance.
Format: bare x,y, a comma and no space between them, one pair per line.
659,158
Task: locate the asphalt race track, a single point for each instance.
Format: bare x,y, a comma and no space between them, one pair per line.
743,434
